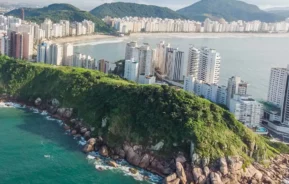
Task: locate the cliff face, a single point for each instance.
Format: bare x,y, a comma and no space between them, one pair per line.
154,127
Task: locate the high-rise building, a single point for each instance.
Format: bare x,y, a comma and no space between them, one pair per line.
236,87
67,54
161,56
131,70
175,65
47,26
193,62
56,54
18,49
103,66
209,66
132,51
277,86
246,110
42,52
27,46
5,45
146,60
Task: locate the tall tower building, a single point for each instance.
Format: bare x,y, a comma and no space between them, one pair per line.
131,70
175,65
27,46
193,62
131,51
18,49
209,66
146,60
161,56
67,54
103,66
277,85
56,54
5,45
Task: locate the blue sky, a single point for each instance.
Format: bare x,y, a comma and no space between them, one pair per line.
173,4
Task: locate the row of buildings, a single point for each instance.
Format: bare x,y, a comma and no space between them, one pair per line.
200,75
63,55
140,24
19,37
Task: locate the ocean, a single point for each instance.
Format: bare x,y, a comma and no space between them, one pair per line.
34,148
250,57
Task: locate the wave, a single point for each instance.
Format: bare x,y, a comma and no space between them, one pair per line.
99,42
100,164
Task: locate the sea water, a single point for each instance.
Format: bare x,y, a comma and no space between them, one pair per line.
34,148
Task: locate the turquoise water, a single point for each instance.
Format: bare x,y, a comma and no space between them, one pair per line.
36,150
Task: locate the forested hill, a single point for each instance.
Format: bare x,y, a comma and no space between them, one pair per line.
140,114
121,9
57,12
230,10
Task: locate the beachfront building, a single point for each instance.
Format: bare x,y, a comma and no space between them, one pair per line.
175,65
246,110
103,66
132,51
131,70
236,87
67,54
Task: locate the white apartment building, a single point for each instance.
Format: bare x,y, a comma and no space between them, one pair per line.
277,85
131,70
56,54
193,62
246,110
68,54
161,52
132,51
212,92
175,65
5,45
236,87
209,66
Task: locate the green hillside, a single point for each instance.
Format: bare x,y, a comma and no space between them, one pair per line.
57,12
121,9
140,114
230,10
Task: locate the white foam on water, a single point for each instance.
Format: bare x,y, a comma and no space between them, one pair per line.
44,113
5,105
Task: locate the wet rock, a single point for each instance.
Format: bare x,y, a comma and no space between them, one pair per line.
112,163
120,152
131,156
145,161
87,134
38,102
73,132
133,170
103,151
91,141
115,157
66,127
83,130
88,148
181,173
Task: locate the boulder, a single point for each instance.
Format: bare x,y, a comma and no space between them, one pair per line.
66,127
65,112
52,109
181,159
91,141
158,146
215,178
131,156
145,161
115,157
133,170
103,151
55,102
176,181
181,173
206,171
73,132
83,130
120,152
87,134
223,166
170,178
112,163
38,102
88,148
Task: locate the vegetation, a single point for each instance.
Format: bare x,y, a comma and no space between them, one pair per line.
57,12
143,114
282,13
230,10
121,9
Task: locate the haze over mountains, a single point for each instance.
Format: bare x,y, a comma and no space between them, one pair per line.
230,10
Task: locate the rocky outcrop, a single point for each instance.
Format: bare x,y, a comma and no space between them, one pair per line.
112,163
103,151
65,112
181,173
38,101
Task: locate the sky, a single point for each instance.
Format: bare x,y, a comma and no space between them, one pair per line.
173,4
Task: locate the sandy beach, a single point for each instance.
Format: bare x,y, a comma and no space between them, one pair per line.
83,38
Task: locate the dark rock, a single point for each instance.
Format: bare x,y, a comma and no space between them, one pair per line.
104,151
88,148
133,170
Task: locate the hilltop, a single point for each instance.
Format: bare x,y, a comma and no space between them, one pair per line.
122,9
57,12
230,10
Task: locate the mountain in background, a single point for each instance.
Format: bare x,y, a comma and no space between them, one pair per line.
121,9
57,12
230,10
281,11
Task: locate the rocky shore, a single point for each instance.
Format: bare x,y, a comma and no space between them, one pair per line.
179,169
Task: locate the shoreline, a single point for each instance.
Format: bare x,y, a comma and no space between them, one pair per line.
86,39
213,35
101,163
82,38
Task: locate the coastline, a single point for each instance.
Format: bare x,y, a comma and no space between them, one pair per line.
100,162
82,38
212,35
